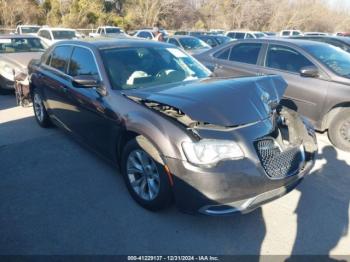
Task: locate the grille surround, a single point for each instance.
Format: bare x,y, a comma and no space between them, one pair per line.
276,162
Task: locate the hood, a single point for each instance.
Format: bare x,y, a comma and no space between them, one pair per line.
217,101
20,60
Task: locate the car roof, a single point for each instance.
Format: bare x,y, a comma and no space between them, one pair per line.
57,29
277,40
340,38
103,43
17,36
182,36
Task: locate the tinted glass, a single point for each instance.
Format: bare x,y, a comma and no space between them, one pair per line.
232,35
249,36
145,35
30,29
82,63
332,57
17,45
223,54
285,33
295,33
210,41
60,58
240,35
245,53
192,43
173,42
222,39
113,30
63,34
134,67
285,58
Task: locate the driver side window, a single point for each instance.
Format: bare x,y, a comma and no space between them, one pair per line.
286,59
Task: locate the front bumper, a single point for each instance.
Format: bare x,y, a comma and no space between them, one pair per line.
6,83
239,185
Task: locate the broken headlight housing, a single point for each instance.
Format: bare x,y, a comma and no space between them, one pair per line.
209,152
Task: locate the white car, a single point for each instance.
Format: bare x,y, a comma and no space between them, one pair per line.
27,30
245,34
287,33
52,35
107,31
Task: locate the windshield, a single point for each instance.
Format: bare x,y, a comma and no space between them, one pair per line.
129,68
113,30
332,57
192,43
16,45
30,29
62,34
259,35
222,39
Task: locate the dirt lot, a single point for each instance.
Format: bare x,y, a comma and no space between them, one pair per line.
58,198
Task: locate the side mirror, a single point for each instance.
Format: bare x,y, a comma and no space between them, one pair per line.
85,81
309,71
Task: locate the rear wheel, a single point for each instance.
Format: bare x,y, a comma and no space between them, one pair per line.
144,174
339,130
40,112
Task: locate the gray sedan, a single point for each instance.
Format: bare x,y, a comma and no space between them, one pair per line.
318,77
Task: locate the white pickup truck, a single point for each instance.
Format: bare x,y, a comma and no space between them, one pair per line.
27,29
107,31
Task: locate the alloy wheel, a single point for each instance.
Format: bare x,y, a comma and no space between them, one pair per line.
38,107
143,175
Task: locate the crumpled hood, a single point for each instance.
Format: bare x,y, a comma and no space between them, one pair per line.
217,101
20,60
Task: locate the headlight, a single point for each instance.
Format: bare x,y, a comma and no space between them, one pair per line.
7,71
209,152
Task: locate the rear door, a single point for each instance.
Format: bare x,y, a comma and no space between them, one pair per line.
55,81
239,60
307,94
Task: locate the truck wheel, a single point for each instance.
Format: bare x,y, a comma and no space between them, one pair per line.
339,130
40,112
144,174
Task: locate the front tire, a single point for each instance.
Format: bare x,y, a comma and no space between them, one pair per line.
40,112
339,130
144,174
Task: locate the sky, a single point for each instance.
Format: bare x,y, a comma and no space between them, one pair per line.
339,4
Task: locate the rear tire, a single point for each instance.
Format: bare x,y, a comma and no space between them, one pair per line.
145,176
40,112
339,130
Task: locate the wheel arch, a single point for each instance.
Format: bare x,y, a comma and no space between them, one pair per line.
329,116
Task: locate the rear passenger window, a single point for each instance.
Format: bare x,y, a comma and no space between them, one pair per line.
60,58
82,63
240,35
232,35
285,58
223,54
245,53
